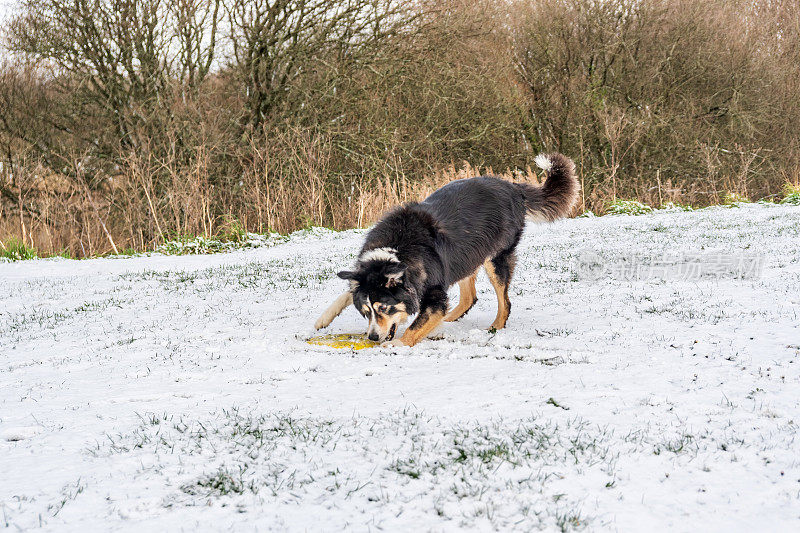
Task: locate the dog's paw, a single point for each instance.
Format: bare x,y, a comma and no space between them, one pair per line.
321,322
393,343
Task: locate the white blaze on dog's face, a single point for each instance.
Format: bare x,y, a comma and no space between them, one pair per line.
383,319
380,293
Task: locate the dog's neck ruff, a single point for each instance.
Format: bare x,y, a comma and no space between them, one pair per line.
380,254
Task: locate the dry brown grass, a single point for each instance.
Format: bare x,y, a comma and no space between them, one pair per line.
68,222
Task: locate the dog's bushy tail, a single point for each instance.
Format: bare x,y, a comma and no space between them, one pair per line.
559,193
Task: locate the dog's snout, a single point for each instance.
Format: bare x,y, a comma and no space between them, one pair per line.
373,336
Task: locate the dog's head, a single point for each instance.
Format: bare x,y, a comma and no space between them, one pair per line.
381,292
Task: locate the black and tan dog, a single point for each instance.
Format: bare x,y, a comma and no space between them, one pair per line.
418,250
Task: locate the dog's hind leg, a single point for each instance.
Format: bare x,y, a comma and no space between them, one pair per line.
334,310
466,299
500,269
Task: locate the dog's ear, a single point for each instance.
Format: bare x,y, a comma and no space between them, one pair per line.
394,275
412,301
347,274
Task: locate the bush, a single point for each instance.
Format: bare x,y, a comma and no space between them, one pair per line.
628,207
733,199
791,194
664,100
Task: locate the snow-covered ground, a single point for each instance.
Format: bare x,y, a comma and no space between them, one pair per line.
177,393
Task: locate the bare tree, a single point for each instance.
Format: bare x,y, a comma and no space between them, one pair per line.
117,48
119,55
277,41
196,26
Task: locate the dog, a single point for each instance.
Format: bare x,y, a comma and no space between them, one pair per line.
417,251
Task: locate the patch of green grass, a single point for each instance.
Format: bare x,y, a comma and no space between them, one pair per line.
42,318
791,194
408,467
554,403
15,250
69,493
233,238
733,199
634,207
222,482
675,445
193,246
570,520
628,207
492,470
270,276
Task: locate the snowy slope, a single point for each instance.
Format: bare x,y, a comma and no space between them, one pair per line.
172,393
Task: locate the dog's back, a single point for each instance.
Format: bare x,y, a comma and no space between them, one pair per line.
470,220
477,218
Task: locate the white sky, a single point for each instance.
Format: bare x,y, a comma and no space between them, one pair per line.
5,7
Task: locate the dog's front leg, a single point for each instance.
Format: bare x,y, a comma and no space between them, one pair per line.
334,310
432,310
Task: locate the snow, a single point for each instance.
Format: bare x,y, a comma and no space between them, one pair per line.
18,433
164,393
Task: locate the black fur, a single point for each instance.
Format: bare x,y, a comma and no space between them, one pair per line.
448,236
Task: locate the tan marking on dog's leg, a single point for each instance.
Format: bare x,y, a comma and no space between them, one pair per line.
466,298
334,310
422,326
503,303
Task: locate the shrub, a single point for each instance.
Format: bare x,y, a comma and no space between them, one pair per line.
658,98
628,207
791,194
733,199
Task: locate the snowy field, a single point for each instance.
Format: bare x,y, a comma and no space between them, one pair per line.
177,393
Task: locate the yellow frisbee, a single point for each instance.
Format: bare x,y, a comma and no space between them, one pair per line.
343,340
